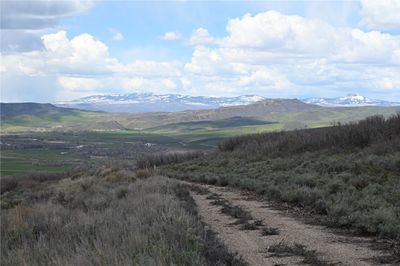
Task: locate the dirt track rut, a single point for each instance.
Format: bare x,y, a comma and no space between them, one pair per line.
255,249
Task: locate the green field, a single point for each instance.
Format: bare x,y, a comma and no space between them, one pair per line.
15,162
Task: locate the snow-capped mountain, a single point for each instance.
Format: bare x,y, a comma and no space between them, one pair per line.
349,100
149,102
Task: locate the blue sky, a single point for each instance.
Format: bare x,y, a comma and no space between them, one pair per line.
55,51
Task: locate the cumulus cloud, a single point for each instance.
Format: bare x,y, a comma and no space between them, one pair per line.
200,36
83,65
270,52
382,14
172,36
278,33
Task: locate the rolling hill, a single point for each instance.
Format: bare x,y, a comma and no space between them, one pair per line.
271,114
17,117
10,110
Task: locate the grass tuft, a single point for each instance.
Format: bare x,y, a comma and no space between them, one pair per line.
309,256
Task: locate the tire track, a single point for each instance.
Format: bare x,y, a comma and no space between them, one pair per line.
296,244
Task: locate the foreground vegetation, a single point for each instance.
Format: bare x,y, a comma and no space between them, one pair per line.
345,175
76,197
108,217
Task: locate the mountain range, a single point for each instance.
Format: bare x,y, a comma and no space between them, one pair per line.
149,102
350,100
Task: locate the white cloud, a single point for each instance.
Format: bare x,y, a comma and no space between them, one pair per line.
297,36
200,36
156,85
381,14
268,53
83,64
116,35
78,83
82,55
264,77
271,52
172,36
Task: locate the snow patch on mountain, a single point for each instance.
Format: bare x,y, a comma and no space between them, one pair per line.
149,102
146,102
135,98
350,100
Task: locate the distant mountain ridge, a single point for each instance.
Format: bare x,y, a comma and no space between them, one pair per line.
149,102
10,110
50,116
279,113
350,100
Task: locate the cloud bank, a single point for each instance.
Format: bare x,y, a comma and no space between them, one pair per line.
269,53
382,14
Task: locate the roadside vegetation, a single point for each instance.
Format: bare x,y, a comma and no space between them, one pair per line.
105,217
96,198
347,175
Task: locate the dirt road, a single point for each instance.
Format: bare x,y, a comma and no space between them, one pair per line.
279,238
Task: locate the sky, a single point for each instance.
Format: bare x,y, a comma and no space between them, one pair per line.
63,50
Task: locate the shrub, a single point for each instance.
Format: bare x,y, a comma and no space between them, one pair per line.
352,135
154,160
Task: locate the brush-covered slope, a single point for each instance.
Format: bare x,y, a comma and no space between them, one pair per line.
346,175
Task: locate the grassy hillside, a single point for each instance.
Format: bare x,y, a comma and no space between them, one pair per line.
262,116
346,175
105,217
22,117
232,122
10,110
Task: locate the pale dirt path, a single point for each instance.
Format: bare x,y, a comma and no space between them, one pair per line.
337,249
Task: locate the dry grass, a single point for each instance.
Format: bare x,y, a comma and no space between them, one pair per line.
94,221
